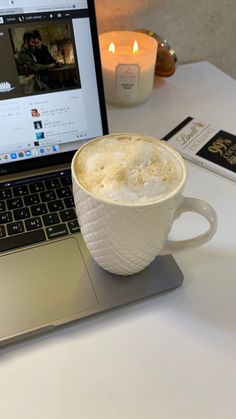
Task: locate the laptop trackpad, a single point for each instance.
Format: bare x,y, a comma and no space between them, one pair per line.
42,286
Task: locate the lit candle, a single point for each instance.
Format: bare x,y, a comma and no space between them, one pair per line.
128,64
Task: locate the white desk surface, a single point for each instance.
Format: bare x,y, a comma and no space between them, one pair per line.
171,356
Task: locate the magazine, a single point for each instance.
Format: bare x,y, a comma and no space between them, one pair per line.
206,146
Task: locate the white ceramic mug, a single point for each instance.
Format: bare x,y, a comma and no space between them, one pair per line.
125,238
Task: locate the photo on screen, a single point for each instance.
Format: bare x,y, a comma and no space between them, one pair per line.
39,135
35,113
45,57
38,125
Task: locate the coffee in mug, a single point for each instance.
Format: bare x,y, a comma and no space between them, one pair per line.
128,170
128,192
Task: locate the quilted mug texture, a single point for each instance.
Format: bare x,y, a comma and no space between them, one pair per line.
123,239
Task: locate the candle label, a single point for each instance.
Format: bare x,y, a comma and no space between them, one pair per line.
127,76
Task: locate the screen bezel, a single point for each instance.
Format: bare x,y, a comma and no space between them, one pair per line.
66,157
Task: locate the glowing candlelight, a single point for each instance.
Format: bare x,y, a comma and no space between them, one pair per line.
112,47
128,63
135,47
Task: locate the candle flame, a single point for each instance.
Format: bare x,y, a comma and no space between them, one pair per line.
112,48
135,47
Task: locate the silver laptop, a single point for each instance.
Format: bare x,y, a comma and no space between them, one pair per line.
51,102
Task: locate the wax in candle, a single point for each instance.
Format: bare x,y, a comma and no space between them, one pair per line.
127,75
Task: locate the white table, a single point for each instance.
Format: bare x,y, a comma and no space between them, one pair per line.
168,357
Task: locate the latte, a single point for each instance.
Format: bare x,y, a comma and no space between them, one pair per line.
128,169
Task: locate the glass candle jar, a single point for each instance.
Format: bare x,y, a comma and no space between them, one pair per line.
128,64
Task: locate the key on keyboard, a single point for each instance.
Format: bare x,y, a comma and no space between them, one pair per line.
36,210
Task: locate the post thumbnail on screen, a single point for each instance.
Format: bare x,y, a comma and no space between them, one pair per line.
45,57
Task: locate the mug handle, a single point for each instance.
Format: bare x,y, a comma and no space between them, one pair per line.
202,208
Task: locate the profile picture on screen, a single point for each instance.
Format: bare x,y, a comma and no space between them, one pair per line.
38,125
35,113
39,135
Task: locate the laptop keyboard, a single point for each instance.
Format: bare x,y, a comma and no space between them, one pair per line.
36,209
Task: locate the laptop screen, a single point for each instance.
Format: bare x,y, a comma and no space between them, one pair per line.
51,93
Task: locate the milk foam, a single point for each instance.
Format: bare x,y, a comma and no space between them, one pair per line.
128,169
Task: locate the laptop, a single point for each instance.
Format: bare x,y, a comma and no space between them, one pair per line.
52,102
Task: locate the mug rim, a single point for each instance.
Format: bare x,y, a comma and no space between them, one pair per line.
131,205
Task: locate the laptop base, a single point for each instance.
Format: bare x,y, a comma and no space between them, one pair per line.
69,286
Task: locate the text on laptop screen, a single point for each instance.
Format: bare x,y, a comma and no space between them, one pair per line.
49,101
